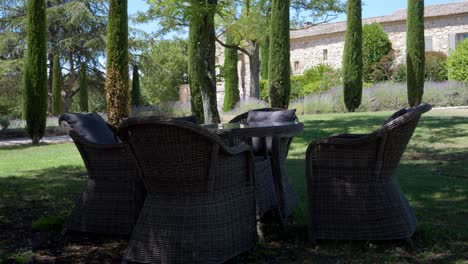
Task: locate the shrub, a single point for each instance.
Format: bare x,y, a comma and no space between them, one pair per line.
436,66
4,122
375,46
384,96
399,73
457,62
264,94
318,79
382,70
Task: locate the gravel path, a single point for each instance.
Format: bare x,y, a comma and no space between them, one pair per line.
25,141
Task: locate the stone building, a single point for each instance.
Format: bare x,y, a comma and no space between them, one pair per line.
445,25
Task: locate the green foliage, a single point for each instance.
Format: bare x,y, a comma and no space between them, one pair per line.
436,66
48,223
318,79
264,93
264,56
399,73
56,87
83,88
375,45
231,76
415,51
352,57
383,69
4,122
164,68
279,68
136,94
117,77
35,71
457,62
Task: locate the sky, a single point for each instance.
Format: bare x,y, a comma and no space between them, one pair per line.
371,8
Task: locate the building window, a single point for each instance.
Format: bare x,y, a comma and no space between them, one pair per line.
325,54
296,66
428,43
460,37
216,60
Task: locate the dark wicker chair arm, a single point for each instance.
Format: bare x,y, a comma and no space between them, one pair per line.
345,139
236,149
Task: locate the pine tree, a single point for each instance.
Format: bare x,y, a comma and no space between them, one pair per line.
56,87
279,68
83,88
136,97
35,71
117,75
264,56
231,77
352,57
415,60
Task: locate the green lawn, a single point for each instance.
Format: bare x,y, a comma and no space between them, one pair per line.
46,180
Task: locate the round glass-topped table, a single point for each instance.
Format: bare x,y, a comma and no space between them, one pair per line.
280,135
256,129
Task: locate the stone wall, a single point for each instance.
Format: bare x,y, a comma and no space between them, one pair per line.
441,31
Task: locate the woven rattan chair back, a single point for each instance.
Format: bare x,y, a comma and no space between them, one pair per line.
394,136
174,155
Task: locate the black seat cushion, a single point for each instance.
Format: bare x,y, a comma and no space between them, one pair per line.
91,127
262,146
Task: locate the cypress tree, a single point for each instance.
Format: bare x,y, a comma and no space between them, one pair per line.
415,60
231,77
279,68
117,80
201,50
352,57
56,87
264,56
136,87
35,71
83,88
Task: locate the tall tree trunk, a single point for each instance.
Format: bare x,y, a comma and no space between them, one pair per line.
242,75
56,87
264,56
136,96
254,59
35,71
231,76
68,87
83,88
202,72
279,68
415,59
352,57
51,60
117,75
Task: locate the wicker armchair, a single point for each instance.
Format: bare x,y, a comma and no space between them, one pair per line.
114,194
286,195
352,192
200,206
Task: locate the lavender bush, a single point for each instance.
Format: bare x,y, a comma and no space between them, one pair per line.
167,109
384,96
247,104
